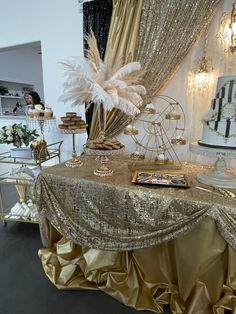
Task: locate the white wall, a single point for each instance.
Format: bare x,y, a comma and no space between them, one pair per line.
23,65
58,25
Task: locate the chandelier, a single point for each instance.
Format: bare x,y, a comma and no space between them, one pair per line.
227,32
201,77
203,74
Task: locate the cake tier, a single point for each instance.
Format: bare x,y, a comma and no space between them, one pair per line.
219,134
226,93
222,80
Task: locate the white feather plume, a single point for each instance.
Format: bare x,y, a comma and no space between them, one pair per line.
126,69
139,89
87,81
118,83
128,107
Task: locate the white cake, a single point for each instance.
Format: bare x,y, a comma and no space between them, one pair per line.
219,124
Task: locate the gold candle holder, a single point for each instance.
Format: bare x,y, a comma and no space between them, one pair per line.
178,141
149,109
173,116
130,130
137,156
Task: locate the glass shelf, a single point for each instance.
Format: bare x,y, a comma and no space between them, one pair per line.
19,206
11,96
53,149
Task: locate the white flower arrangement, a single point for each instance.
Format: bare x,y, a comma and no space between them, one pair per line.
17,134
112,85
209,116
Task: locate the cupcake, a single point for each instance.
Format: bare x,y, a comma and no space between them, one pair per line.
31,113
48,113
38,107
71,114
35,113
41,113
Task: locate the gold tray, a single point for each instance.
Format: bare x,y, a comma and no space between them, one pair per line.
161,178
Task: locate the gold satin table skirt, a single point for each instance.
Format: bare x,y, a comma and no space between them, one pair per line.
195,273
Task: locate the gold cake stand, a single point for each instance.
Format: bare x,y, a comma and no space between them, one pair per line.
42,123
75,160
102,157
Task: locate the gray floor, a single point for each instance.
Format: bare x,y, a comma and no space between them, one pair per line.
24,287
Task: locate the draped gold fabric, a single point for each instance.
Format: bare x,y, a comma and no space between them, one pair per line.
144,246
167,31
122,38
111,213
195,273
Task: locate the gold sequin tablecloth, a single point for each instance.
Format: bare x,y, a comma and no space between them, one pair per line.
146,247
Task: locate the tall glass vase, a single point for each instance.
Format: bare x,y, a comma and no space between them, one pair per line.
102,121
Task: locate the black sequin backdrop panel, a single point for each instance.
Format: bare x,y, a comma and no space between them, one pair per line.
96,17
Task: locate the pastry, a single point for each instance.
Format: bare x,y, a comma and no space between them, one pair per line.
71,114
62,126
65,119
73,127
76,118
104,144
41,113
38,107
38,111
83,126
35,113
31,113
72,122
48,113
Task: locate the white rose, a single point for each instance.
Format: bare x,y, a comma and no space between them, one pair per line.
20,133
9,138
210,115
8,132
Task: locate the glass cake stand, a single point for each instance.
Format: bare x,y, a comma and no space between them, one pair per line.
75,160
103,170
42,123
218,177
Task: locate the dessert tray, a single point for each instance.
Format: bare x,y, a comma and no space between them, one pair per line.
168,179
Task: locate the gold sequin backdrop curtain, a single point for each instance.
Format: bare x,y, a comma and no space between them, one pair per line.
167,30
123,35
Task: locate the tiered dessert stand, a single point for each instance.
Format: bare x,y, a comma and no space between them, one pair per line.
219,177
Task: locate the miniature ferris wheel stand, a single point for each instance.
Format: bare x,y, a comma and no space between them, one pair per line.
157,130
218,177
